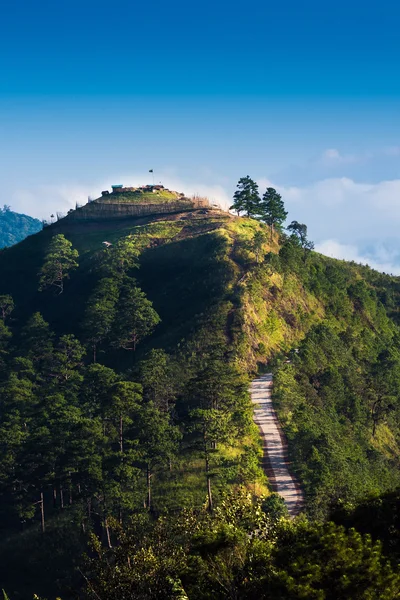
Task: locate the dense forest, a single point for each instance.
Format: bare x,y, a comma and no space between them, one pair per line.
130,464
15,227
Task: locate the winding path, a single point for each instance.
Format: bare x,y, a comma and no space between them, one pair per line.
275,460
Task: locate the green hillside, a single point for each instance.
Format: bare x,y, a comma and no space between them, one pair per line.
14,227
127,393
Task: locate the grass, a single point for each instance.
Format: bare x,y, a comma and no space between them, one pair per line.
158,197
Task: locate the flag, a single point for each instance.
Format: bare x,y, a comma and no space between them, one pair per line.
150,170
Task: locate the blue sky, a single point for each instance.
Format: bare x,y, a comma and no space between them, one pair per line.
303,96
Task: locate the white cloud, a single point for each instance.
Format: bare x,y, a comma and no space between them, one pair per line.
331,154
340,208
356,221
379,259
43,200
333,158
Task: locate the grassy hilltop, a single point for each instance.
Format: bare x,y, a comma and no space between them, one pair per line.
230,297
143,196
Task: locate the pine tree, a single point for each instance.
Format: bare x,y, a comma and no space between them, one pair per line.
299,236
37,340
158,380
100,312
246,198
158,442
136,317
60,260
257,243
6,306
5,336
272,209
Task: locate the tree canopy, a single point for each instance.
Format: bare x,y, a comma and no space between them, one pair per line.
60,260
246,198
272,209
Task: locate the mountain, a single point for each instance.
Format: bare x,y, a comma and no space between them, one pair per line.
14,227
130,331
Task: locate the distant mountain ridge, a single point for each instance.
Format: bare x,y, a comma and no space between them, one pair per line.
14,227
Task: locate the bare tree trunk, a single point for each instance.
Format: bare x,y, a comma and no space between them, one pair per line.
374,415
148,487
42,511
70,489
107,533
121,434
89,508
374,425
210,501
54,497
61,496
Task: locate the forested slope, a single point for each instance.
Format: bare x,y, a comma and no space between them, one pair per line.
125,372
15,227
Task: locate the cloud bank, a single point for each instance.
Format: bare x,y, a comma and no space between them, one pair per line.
43,200
347,219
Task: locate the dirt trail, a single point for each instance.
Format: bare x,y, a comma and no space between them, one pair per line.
275,462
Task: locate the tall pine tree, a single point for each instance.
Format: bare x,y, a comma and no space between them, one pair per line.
272,209
246,198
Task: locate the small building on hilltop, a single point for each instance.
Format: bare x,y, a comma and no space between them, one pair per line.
127,202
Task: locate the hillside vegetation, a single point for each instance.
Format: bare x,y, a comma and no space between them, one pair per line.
125,410
142,196
15,227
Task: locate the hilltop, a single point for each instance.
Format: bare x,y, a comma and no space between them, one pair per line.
127,202
223,296
14,227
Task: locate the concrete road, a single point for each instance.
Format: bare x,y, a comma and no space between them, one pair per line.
275,462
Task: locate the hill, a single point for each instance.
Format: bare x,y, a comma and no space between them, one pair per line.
130,388
14,227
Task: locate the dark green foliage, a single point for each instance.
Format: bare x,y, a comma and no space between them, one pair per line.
132,451
60,259
378,516
14,227
339,398
5,336
135,317
299,236
159,375
258,242
6,306
100,312
83,436
272,209
240,551
246,198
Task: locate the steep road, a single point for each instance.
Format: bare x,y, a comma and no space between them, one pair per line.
275,460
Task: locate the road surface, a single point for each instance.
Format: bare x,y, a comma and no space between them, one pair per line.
275,461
